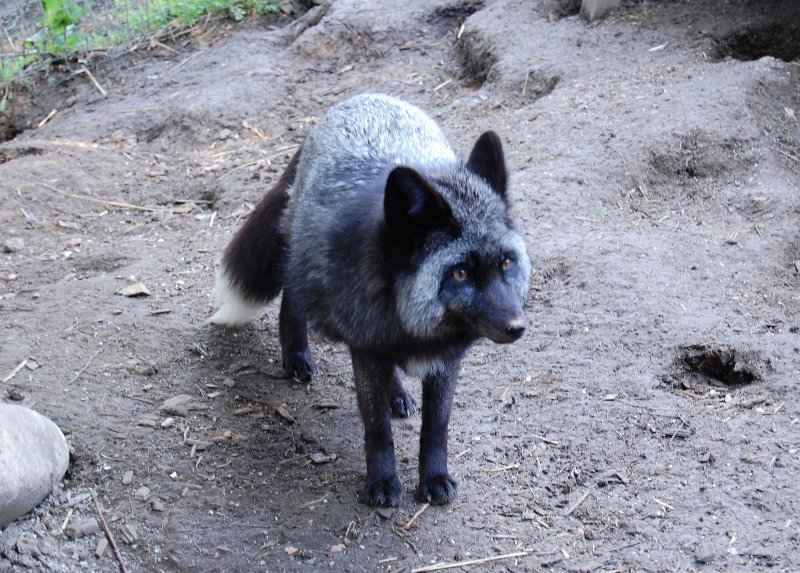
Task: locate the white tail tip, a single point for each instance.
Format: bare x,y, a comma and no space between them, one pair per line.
232,307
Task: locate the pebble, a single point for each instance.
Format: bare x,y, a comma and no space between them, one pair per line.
82,528
142,494
181,405
13,244
33,459
127,478
705,552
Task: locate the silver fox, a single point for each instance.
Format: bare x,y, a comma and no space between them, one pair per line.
382,238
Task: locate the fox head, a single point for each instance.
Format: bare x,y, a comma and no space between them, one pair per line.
463,265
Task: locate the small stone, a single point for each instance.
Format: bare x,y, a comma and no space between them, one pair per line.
13,244
102,545
705,552
156,505
168,422
33,458
134,290
15,394
82,528
142,494
127,478
320,458
229,383
181,405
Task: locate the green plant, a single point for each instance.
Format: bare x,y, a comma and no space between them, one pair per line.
59,27
65,30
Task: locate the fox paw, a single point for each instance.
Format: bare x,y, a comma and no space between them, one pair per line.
437,490
403,405
300,365
384,493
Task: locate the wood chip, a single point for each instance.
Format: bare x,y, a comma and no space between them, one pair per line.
181,405
320,458
129,534
147,422
283,412
134,290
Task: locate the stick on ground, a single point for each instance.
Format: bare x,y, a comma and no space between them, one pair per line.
113,543
454,564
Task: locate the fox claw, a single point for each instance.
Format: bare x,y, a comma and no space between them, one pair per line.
437,490
300,365
383,493
403,405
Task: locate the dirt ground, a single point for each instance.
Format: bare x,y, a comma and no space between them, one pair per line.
647,421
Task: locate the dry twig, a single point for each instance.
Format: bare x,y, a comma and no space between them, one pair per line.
414,517
454,564
113,543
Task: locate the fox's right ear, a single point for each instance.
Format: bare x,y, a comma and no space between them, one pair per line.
488,161
411,203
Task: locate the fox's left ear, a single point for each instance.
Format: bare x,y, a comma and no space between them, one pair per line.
487,161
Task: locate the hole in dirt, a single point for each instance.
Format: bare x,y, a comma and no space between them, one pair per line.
476,55
779,40
454,15
726,367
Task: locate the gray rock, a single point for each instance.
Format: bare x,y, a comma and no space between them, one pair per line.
88,526
33,458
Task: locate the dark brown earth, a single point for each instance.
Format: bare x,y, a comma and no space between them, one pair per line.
649,419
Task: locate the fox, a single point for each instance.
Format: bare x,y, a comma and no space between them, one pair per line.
379,236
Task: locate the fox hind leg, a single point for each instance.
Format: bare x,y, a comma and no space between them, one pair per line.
402,403
293,332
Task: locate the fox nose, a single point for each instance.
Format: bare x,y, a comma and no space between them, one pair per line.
515,329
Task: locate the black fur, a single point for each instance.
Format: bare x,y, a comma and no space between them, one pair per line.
381,238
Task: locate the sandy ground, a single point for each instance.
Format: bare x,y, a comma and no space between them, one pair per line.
648,421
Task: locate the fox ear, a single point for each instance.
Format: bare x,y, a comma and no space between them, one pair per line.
410,202
487,161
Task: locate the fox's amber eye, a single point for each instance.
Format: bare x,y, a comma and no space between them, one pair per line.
460,274
506,264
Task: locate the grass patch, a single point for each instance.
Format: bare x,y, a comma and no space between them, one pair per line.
69,29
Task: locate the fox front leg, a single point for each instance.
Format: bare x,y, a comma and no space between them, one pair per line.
375,381
436,486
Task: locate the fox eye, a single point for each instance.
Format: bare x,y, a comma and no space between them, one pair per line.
506,264
460,273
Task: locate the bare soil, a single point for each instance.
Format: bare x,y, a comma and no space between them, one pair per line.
648,420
